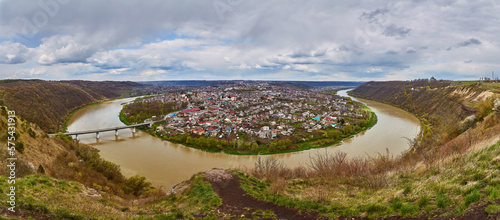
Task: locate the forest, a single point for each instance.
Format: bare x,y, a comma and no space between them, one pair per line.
48,103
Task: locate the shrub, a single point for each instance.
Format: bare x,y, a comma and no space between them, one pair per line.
484,108
40,169
19,147
137,185
467,123
31,133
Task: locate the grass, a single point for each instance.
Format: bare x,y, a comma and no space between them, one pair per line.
493,209
58,198
494,87
464,83
67,199
408,193
472,197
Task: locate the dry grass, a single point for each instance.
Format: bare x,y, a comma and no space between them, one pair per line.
439,176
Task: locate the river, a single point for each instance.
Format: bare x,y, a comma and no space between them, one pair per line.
164,163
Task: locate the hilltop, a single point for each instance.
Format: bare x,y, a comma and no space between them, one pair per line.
48,103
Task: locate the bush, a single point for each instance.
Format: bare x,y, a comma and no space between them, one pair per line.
137,185
19,147
467,123
40,169
484,108
31,133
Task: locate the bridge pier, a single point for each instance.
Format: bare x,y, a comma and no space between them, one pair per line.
76,138
97,131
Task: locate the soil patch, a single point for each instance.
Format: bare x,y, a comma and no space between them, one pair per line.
236,203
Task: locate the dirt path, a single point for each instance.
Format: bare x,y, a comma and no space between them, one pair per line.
236,203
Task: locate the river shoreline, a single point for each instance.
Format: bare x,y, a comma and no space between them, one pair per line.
165,163
302,146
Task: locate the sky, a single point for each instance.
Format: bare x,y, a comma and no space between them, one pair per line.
249,40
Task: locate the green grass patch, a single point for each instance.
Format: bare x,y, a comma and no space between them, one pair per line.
443,201
472,197
408,209
201,195
464,83
493,209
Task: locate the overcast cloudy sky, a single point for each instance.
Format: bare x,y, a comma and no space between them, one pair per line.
234,39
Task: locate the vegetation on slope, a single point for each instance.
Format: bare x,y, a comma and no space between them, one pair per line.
48,103
440,105
52,167
461,178
138,111
45,197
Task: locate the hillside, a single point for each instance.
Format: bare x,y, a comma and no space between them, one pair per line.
48,103
440,105
458,179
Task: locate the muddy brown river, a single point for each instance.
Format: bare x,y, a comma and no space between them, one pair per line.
165,163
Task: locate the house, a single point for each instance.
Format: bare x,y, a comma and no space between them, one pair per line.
160,129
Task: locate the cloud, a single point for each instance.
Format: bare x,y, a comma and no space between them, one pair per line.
395,31
13,53
410,50
471,41
376,16
132,39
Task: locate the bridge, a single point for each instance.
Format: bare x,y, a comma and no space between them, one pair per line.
97,131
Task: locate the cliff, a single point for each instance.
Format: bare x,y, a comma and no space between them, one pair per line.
441,105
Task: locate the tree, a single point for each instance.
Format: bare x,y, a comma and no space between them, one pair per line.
255,147
137,185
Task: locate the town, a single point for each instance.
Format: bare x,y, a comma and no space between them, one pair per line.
245,117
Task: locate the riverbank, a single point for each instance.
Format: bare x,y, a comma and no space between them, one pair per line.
68,118
236,146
